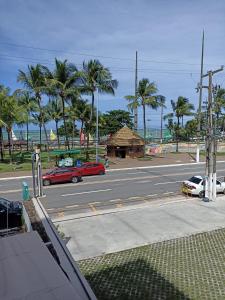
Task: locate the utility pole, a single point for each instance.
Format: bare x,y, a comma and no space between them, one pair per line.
136,83
210,178
200,103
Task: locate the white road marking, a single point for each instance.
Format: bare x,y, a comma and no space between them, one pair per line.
151,195
71,206
144,181
135,197
167,193
168,182
135,173
10,191
13,178
114,200
93,203
89,192
49,209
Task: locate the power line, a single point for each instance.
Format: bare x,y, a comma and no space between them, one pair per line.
99,56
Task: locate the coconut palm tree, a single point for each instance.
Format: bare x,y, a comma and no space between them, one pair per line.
95,77
62,83
34,82
12,113
54,111
145,98
219,102
182,107
28,104
161,100
4,93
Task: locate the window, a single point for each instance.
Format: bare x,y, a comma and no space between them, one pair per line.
195,180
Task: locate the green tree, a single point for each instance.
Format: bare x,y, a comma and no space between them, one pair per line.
219,103
145,98
54,111
4,94
114,120
182,107
34,82
28,104
161,101
95,77
62,83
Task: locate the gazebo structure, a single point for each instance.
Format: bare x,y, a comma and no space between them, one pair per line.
125,142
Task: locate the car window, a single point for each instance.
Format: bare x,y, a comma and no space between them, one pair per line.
2,207
195,180
89,166
218,182
4,203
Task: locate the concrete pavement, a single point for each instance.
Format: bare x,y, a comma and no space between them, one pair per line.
120,229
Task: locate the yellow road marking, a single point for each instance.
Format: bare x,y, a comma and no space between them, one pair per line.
119,205
92,207
61,214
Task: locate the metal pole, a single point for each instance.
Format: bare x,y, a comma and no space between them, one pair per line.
210,138
136,83
34,175
97,128
200,103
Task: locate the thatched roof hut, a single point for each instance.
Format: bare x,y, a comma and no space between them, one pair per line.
125,142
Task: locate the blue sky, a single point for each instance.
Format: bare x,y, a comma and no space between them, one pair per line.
166,34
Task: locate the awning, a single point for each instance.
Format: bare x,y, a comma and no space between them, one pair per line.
64,152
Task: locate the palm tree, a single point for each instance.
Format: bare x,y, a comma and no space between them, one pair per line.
95,77
161,100
145,97
34,82
182,107
4,93
62,83
219,102
28,104
54,110
12,113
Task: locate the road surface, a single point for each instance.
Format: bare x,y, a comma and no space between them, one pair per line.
116,188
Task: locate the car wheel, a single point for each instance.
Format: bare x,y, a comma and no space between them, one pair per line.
224,191
75,179
46,182
201,194
101,173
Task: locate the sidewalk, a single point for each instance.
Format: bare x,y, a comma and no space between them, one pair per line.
116,163
121,229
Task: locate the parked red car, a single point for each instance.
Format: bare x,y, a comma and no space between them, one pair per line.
61,175
91,168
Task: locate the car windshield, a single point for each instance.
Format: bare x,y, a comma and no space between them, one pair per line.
195,180
4,202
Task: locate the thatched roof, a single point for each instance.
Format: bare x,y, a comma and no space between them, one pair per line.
125,137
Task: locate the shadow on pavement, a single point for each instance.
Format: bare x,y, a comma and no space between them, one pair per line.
133,280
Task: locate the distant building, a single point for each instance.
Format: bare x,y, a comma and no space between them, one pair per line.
125,142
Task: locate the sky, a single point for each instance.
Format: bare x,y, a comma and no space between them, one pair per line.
166,34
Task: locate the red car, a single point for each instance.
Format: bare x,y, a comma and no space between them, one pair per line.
91,168
61,175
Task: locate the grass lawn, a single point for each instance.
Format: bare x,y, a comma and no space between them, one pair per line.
24,163
186,268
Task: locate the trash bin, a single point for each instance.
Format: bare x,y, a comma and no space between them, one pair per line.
25,191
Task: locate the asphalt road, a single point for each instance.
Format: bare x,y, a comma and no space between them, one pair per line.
116,188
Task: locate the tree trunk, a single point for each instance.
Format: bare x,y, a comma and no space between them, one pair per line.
1,145
64,123
57,132
40,137
9,142
27,135
46,137
73,133
177,135
144,122
92,105
161,130
87,146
